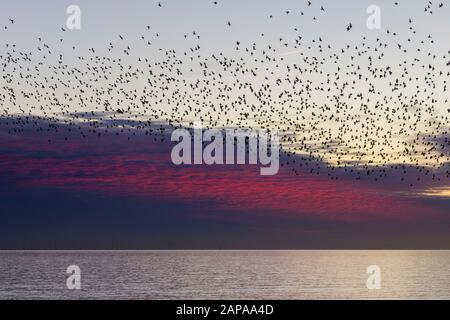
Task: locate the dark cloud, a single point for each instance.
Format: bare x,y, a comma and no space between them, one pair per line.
123,192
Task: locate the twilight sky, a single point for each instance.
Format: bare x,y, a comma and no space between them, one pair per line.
366,134
108,192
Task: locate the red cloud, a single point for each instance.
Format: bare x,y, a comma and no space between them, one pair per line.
142,168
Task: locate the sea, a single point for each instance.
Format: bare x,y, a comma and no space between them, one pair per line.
221,274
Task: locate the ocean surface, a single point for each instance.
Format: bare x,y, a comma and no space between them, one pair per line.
225,274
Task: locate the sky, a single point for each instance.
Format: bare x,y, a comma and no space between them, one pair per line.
108,192
77,176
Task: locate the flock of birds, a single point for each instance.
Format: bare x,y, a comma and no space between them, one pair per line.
366,108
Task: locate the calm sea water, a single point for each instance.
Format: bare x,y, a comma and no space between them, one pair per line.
225,274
